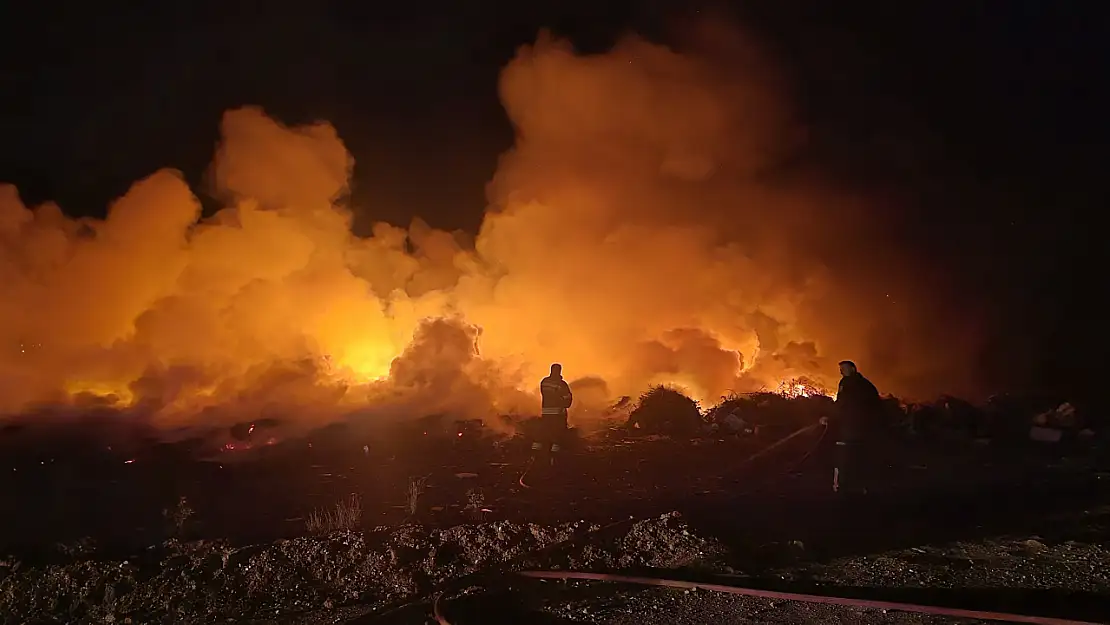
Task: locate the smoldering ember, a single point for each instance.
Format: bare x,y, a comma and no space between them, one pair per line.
684,368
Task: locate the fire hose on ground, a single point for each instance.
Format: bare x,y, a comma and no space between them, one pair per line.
790,596
759,454
780,595
502,567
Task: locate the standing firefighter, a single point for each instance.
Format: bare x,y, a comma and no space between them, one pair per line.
857,406
557,399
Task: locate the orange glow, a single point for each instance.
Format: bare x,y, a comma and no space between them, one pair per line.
800,387
116,394
365,362
247,445
631,235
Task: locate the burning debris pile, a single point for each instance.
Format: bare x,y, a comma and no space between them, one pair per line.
801,402
751,412
208,582
800,387
664,410
615,249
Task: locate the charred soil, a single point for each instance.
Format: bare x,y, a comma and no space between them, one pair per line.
445,509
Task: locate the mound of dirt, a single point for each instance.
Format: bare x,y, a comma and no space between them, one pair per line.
206,582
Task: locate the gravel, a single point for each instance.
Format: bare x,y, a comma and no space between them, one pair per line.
208,581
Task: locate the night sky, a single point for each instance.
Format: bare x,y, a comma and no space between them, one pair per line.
982,122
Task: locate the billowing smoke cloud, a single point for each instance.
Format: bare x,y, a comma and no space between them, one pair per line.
638,233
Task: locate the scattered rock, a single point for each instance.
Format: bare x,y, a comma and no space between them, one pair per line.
210,581
1033,546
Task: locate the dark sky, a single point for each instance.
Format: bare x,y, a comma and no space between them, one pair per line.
985,119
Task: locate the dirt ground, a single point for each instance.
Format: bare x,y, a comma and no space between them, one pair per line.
945,520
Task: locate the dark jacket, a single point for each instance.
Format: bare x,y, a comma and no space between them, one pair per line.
556,394
857,405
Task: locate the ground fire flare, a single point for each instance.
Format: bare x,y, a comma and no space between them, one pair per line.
632,235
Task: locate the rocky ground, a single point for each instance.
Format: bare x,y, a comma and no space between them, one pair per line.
389,576
209,581
1022,575
1043,574
948,521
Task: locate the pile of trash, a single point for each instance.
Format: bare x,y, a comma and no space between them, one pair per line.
1052,425
666,411
751,413
1004,417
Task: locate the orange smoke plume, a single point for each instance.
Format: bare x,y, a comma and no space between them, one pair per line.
637,233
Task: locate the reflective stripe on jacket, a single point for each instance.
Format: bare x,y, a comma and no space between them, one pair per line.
556,395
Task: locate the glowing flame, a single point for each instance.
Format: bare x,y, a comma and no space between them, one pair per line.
365,361
613,244
245,445
800,387
115,394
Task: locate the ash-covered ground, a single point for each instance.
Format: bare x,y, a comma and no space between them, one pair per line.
104,524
